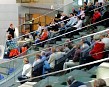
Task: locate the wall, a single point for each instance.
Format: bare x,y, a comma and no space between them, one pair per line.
7,1
8,14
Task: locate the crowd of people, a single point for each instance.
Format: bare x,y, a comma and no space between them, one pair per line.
85,51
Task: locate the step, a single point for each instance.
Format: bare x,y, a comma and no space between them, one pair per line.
64,39
82,33
28,84
76,36
59,42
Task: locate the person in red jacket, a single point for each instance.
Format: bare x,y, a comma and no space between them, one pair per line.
97,51
43,37
96,16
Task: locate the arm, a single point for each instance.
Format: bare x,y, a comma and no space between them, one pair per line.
24,70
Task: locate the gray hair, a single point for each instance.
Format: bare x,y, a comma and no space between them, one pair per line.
96,37
71,78
100,83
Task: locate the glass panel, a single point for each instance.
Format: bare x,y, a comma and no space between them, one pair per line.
14,67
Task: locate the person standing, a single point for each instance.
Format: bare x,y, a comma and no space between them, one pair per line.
11,30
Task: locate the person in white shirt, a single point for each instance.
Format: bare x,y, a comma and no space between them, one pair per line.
105,40
38,32
79,23
27,71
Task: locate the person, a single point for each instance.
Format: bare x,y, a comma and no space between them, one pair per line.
43,56
11,47
74,83
76,56
43,37
79,23
96,16
105,40
27,71
99,83
37,60
11,30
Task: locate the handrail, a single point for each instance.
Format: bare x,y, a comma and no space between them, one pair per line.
58,45
54,24
63,35
78,66
71,31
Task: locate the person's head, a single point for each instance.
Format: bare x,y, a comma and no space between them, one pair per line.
89,4
25,60
9,37
39,24
96,37
42,53
53,49
73,9
99,83
102,35
38,56
70,80
82,8
79,8
96,11
11,25
97,3
82,41
85,3
45,29
71,14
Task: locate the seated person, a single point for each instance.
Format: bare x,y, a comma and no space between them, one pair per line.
38,32
99,83
71,22
43,55
37,60
75,58
105,40
11,47
27,36
74,83
79,23
98,48
96,16
27,71
82,13
43,37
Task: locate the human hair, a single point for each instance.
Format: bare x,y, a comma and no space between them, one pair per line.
99,83
72,14
85,3
11,24
26,60
96,37
9,37
70,80
38,56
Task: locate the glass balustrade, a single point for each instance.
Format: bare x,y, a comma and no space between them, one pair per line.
12,68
